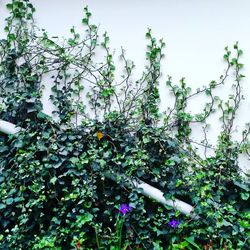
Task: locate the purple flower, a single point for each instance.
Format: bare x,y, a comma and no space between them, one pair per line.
124,208
173,223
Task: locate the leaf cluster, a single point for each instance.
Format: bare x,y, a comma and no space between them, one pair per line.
54,193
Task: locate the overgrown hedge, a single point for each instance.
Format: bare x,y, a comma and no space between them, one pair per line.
53,192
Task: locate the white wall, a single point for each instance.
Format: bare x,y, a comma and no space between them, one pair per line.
195,32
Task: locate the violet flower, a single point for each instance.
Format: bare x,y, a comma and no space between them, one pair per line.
124,208
173,223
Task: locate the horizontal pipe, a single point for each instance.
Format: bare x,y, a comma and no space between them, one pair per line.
8,128
153,193
145,189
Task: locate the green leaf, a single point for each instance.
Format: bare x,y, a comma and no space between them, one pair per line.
244,196
9,6
190,240
9,201
71,42
83,219
53,180
11,37
85,21
74,160
2,206
3,149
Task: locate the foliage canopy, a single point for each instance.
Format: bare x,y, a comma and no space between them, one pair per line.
53,192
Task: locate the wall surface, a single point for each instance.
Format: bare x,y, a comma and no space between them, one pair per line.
195,33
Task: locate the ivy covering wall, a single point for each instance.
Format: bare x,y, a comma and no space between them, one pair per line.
53,191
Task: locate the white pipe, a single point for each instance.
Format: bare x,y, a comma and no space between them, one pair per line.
8,128
153,193
146,189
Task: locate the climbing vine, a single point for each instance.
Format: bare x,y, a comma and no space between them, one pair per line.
54,193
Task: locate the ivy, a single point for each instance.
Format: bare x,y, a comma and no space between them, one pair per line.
53,190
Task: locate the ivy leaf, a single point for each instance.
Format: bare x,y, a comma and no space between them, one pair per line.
244,196
190,240
9,201
2,206
53,180
83,219
85,21
3,149
74,160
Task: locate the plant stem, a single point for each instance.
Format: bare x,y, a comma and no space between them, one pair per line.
97,239
119,232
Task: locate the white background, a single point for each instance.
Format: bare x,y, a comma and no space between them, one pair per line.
195,32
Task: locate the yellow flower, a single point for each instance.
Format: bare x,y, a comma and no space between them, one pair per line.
100,135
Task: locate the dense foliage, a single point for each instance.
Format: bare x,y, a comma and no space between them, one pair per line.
53,191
